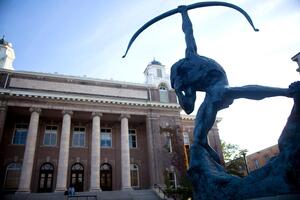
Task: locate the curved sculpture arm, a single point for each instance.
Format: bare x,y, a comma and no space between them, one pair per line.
189,7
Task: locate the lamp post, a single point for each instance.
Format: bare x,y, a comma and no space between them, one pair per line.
245,162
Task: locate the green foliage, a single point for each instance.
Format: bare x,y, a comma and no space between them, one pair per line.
234,159
232,151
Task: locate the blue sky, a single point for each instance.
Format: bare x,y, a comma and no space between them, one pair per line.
77,37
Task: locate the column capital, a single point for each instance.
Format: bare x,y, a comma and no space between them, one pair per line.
35,109
69,112
3,103
124,115
99,114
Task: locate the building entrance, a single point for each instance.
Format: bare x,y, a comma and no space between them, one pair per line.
77,177
106,177
46,178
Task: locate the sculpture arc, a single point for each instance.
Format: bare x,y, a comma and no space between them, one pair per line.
189,7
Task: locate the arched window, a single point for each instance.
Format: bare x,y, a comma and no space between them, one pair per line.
12,176
106,177
77,178
163,93
134,175
46,177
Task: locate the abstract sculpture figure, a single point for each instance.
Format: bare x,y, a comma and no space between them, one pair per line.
198,73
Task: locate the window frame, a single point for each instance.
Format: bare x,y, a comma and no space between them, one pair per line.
130,134
137,170
163,93
50,133
19,168
15,131
171,180
159,73
168,142
79,132
111,138
186,137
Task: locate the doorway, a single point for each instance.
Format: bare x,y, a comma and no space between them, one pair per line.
77,177
106,177
46,178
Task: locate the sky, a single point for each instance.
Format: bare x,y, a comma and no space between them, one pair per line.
88,38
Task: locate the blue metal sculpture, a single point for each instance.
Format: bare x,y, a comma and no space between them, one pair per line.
198,73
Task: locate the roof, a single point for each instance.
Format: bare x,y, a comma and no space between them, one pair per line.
155,62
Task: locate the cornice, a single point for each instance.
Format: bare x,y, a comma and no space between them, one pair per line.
75,98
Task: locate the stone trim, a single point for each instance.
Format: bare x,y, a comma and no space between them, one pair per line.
69,112
34,109
99,114
64,97
124,115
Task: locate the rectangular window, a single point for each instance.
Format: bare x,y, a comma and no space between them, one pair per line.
164,96
106,138
256,163
78,137
159,73
172,179
50,135
132,138
186,138
20,134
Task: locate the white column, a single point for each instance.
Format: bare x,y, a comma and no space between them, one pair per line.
125,154
95,153
27,166
62,170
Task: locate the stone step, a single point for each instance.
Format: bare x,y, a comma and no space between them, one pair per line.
105,195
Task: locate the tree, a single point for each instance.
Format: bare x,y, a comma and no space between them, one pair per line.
234,158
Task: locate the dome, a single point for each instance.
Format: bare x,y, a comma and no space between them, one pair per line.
155,62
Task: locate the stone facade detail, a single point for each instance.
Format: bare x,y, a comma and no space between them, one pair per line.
63,141
125,154
28,159
62,171
95,153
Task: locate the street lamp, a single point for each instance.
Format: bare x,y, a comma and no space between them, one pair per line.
245,162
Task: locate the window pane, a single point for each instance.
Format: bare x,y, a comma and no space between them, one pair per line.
53,139
82,140
159,73
50,135
132,138
106,139
78,137
20,136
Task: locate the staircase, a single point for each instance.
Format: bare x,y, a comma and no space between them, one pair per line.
105,195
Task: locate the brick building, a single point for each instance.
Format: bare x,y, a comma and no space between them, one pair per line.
58,130
259,159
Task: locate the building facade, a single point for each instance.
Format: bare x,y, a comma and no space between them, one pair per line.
58,130
259,159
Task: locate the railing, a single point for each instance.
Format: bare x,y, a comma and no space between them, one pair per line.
78,197
160,189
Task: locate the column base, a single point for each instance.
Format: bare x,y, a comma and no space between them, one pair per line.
95,190
60,190
127,188
23,191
